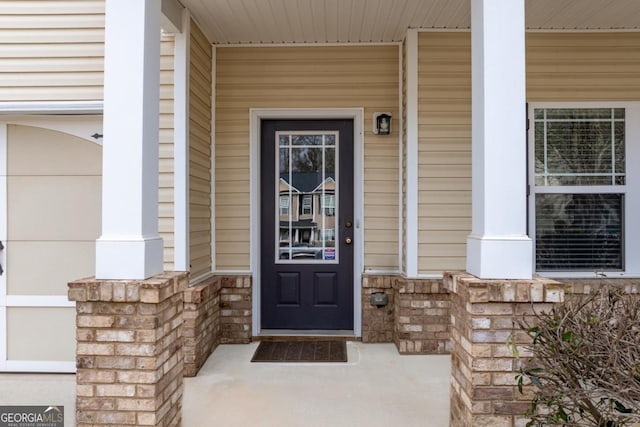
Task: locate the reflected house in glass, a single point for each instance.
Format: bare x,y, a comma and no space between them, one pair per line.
307,215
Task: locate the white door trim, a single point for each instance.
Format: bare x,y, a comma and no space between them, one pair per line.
357,115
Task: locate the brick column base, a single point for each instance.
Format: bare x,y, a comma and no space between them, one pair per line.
129,357
484,315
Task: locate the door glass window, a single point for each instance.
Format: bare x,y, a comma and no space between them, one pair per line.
306,176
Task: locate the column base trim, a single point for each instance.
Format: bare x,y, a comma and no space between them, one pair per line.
500,257
128,259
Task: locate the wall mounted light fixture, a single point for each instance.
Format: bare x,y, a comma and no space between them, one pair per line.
382,123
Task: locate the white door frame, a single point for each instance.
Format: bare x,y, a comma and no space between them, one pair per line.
82,126
355,114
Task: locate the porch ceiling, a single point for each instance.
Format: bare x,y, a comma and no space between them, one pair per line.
322,21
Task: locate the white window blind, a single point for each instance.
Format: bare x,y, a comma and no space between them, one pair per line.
580,185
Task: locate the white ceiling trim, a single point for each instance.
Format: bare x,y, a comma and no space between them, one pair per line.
257,22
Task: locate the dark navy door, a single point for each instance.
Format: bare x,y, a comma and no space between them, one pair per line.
307,225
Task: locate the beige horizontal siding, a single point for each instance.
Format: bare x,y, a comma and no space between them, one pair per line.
560,67
305,77
166,168
444,163
583,67
200,153
53,50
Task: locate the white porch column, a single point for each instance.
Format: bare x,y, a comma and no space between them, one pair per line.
498,247
130,247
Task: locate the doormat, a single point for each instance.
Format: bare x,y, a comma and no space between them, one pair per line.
301,351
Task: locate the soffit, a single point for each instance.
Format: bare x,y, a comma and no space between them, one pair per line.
376,21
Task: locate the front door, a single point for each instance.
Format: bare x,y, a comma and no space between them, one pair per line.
307,225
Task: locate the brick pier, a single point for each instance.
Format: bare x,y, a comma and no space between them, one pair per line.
484,315
129,351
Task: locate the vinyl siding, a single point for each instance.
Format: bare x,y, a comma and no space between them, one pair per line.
560,67
166,167
444,149
51,50
305,77
54,51
200,152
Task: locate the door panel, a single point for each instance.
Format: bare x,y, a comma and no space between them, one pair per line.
307,224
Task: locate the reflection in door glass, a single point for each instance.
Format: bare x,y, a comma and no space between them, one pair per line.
307,203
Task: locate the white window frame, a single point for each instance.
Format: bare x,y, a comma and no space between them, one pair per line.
304,206
631,190
284,210
328,201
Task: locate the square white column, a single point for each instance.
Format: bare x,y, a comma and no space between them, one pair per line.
498,247
130,247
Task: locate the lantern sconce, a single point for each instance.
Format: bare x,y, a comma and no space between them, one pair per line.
382,123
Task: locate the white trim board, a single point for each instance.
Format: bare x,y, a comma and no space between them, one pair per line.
357,115
181,146
37,366
411,156
51,107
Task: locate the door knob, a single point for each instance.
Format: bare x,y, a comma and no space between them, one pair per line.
348,240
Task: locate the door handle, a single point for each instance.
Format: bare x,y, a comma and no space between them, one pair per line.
348,240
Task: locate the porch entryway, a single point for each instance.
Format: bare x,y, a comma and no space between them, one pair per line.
377,387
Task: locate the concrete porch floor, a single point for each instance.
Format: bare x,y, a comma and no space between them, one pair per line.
376,388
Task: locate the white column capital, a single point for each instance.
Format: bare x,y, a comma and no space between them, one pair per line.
130,247
498,246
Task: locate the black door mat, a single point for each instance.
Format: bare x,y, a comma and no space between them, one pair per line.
301,351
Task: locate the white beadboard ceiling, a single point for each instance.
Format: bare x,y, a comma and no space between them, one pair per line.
375,21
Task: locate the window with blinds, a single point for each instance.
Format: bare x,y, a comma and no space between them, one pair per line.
580,186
